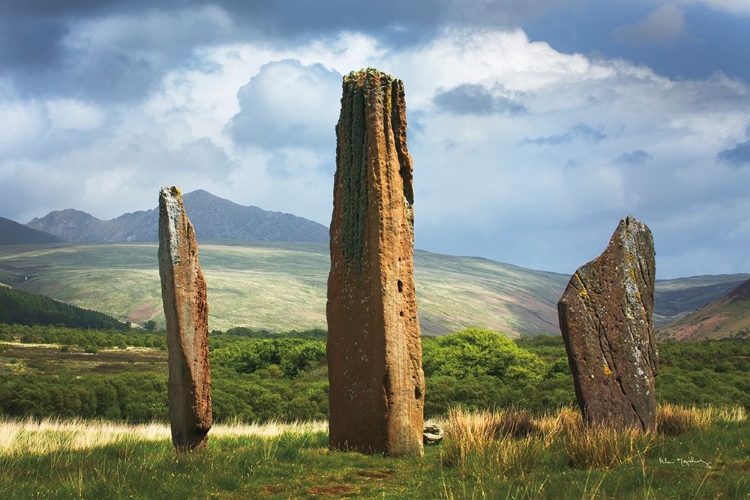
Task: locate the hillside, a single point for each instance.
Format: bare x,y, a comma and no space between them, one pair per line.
283,286
214,218
18,307
726,317
13,233
677,297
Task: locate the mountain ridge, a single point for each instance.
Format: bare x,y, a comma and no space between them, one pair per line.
214,218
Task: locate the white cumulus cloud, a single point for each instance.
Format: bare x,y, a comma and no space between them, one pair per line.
74,115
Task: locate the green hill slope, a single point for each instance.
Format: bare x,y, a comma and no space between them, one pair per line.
726,317
281,287
17,307
677,297
13,233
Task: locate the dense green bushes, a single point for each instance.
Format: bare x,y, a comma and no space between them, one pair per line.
258,376
480,369
130,397
82,338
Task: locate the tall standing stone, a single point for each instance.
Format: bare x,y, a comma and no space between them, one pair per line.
183,291
606,321
376,393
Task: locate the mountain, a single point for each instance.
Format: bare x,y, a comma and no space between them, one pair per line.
726,317
13,233
282,286
214,218
17,307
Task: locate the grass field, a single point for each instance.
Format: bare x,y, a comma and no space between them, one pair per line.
48,359
704,454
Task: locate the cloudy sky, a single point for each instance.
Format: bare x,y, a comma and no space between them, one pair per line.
535,125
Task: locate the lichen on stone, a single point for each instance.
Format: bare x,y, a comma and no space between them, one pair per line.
174,216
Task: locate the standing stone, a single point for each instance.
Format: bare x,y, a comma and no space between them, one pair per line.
375,372
606,321
183,292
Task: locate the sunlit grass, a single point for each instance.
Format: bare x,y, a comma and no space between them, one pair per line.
513,441
50,435
673,420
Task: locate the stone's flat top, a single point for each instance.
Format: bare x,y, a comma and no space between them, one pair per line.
362,74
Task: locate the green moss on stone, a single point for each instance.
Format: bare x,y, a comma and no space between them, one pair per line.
352,147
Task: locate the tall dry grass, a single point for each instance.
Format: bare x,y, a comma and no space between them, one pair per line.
513,442
51,435
508,442
673,420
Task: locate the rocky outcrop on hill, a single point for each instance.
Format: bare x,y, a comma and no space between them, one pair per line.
214,219
186,309
376,394
606,321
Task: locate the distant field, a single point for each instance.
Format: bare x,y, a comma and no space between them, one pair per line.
281,287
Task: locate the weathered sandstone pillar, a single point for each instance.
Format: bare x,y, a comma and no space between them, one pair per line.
606,321
374,350
183,291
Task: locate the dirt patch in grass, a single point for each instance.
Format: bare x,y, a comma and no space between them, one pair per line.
144,312
335,489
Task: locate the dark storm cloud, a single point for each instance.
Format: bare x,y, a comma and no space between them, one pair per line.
581,130
475,99
637,157
50,49
32,31
32,43
36,55
738,156
402,19
40,25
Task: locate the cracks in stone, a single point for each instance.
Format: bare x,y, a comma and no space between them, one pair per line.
399,127
646,279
